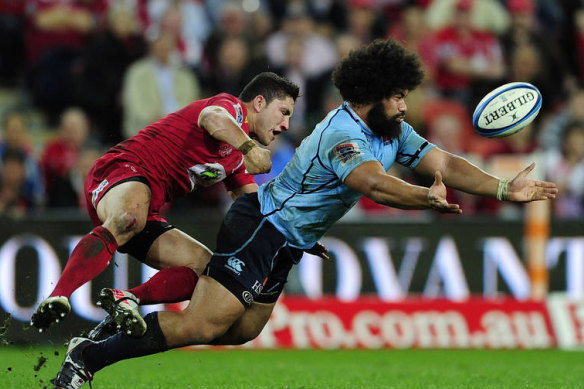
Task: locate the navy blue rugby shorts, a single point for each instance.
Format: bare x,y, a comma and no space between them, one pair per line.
252,259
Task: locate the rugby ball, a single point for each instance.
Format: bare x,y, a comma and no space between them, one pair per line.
506,110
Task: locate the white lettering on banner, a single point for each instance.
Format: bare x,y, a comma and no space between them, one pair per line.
567,316
401,330
326,330
412,250
531,330
500,255
574,249
348,271
49,271
447,270
397,329
384,277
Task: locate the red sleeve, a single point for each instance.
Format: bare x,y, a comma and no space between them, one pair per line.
238,178
234,106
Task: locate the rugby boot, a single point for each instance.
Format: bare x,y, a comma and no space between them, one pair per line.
123,308
106,328
73,373
52,310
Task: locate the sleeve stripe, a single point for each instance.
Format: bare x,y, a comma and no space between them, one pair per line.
416,154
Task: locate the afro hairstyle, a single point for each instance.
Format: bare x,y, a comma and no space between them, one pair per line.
377,71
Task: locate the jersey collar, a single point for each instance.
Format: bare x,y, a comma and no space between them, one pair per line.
356,117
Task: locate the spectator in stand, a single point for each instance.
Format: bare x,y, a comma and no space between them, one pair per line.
318,55
566,167
306,57
14,201
109,53
485,15
15,137
365,20
62,154
70,185
412,29
170,16
234,67
55,38
551,75
12,49
233,22
550,136
156,85
571,36
469,61
527,64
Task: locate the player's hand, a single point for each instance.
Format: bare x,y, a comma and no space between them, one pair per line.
319,250
258,160
437,197
522,189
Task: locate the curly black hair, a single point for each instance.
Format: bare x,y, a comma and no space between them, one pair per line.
377,71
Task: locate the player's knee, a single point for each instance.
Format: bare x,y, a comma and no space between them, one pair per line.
126,224
202,334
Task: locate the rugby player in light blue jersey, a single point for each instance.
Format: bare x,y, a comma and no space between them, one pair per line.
263,234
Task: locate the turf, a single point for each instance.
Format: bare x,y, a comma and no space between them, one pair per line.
228,368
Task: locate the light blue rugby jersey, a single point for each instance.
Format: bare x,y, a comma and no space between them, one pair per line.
309,196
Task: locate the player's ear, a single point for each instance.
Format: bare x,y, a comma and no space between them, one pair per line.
259,103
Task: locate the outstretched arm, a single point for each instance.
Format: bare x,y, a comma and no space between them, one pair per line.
370,179
458,173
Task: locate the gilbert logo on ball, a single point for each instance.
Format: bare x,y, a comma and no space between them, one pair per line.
506,110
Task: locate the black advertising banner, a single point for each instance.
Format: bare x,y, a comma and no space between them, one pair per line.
442,258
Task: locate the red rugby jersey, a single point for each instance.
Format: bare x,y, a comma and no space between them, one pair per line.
181,156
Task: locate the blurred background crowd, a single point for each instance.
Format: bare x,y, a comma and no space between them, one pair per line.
78,76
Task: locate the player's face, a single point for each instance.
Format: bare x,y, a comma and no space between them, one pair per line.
273,119
385,118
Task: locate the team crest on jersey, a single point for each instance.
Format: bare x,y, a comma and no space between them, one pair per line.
225,150
346,152
238,113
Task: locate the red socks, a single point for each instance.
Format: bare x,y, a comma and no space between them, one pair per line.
170,285
89,258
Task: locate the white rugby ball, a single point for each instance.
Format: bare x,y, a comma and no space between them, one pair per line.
506,110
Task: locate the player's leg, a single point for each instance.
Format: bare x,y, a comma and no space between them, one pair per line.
123,211
211,311
252,322
158,244
248,326
182,259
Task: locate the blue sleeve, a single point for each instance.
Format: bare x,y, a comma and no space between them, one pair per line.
344,150
412,147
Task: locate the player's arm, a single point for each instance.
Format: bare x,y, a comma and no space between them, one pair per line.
458,173
248,188
370,179
219,123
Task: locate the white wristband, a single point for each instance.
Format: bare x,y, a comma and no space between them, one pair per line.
502,189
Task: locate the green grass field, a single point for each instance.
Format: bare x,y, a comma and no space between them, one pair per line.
420,369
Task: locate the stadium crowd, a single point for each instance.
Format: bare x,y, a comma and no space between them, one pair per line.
97,71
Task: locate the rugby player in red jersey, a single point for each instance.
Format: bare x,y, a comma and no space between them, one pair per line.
206,142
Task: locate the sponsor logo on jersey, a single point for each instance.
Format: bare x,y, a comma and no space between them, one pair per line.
247,297
347,151
206,174
238,113
257,287
97,191
235,265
